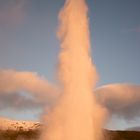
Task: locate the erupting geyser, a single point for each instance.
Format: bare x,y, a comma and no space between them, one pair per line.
76,115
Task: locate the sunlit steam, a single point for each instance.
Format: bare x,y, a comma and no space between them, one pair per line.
76,115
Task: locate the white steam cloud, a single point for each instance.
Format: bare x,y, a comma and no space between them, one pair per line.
76,116
17,102
80,111
122,100
13,82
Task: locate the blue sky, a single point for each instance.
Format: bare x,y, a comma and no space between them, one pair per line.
29,43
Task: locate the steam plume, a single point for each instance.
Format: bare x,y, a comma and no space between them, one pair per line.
76,116
13,82
17,102
122,100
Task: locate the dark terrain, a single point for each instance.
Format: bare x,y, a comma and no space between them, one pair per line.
34,135
121,135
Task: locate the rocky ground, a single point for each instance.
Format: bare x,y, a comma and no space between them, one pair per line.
34,135
25,130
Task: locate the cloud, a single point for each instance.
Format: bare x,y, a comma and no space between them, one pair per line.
17,102
13,82
122,100
12,12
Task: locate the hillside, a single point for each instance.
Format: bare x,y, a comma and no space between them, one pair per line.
26,130
34,135
122,135
14,125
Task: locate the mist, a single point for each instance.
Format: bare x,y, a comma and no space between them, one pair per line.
76,115
122,100
76,94
39,92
